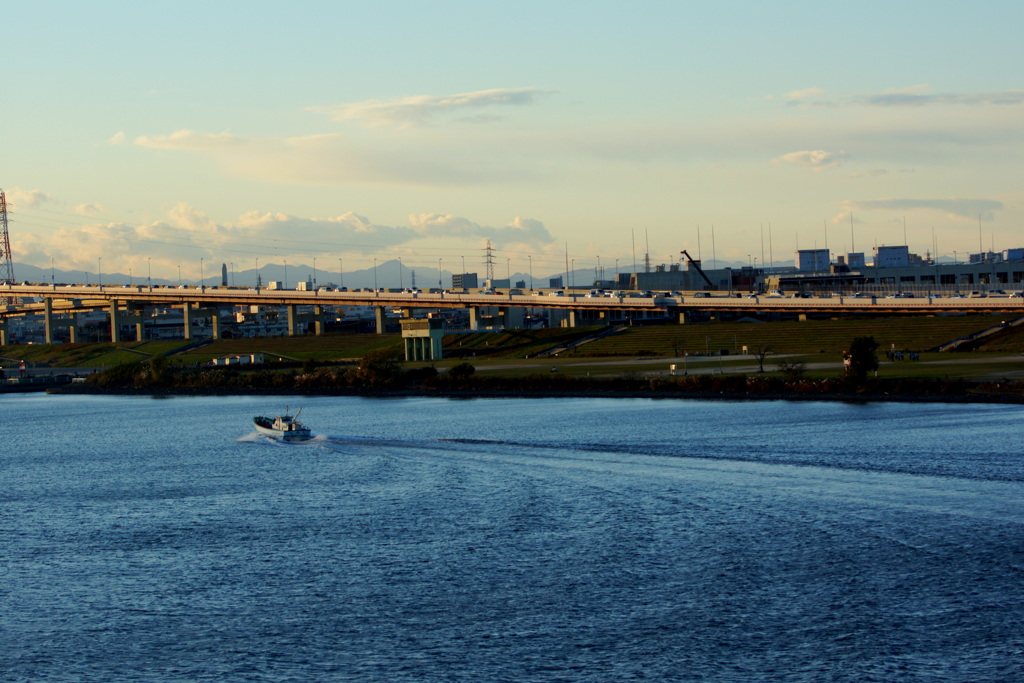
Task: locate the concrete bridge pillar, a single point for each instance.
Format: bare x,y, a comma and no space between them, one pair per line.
318,321
291,319
215,324
115,327
186,319
474,318
3,334
48,320
381,320
140,330
572,320
73,333
684,317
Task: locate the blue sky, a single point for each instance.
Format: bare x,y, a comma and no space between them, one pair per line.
176,132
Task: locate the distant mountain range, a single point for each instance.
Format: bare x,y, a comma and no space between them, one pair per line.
391,273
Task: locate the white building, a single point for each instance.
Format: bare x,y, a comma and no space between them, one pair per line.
892,257
815,260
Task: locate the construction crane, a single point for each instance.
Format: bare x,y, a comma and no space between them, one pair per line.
696,264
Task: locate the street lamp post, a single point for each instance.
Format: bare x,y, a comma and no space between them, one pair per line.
439,285
53,280
341,274
258,283
531,271
149,266
375,276
572,275
99,271
314,273
179,275
401,280
202,285
130,280
286,273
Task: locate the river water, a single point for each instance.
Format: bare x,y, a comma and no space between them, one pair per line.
510,540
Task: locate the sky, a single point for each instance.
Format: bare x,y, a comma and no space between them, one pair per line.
167,135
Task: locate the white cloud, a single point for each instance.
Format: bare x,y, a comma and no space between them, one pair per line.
816,160
420,109
797,96
957,209
329,159
521,231
89,209
26,199
186,234
910,96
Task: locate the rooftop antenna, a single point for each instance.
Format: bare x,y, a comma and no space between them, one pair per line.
647,253
762,245
632,234
853,247
981,246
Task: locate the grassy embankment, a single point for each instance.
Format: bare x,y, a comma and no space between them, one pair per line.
814,342
631,350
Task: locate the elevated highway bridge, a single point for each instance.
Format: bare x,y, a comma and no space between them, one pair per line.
125,302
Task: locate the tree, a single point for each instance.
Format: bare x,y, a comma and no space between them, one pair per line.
862,358
760,352
158,368
792,369
379,368
461,371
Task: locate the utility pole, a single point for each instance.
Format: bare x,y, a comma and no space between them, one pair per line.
6,264
489,261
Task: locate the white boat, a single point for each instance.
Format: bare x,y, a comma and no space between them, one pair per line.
284,427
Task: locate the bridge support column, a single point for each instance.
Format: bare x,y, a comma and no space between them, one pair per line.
381,319
3,334
318,321
140,330
215,324
291,319
115,327
684,317
48,320
474,318
572,320
73,333
186,319
504,316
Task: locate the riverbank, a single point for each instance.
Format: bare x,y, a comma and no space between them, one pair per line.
868,394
